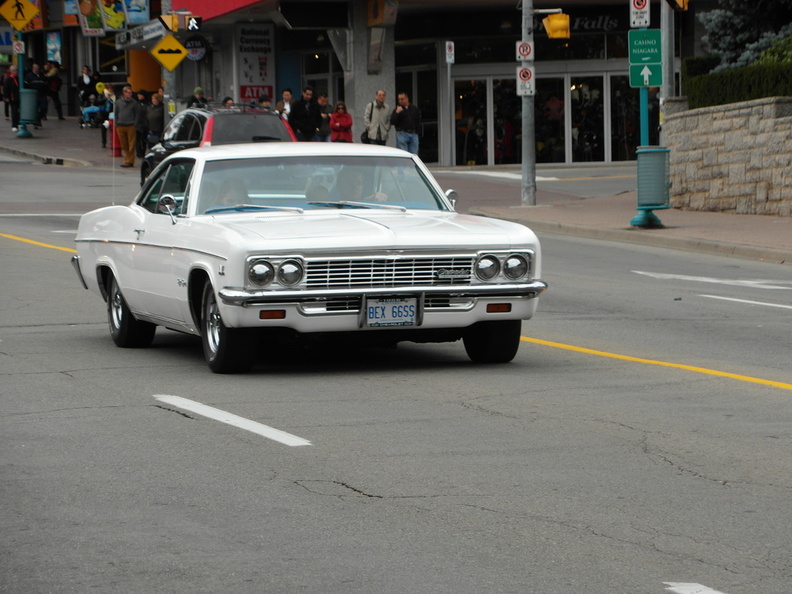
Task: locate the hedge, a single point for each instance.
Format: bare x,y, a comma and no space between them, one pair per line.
741,84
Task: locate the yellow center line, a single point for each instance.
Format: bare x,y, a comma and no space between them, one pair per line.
742,378
38,243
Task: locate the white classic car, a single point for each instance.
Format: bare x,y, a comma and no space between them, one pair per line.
325,241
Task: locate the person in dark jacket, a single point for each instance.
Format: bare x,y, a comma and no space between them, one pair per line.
305,117
155,115
141,124
406,119
197,99
36,81
11,95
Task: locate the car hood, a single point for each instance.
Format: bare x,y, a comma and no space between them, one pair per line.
385,229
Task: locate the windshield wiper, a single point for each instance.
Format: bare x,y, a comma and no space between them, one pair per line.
265,139
343,203
253,207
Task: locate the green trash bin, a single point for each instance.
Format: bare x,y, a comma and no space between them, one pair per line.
28,106
654,184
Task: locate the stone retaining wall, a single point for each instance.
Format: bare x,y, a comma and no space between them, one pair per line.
731,158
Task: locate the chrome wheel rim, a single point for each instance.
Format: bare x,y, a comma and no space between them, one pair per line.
116,309
213,323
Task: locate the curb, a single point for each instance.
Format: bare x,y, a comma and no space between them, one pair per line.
650,237
47,160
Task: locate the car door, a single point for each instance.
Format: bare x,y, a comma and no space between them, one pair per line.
158,251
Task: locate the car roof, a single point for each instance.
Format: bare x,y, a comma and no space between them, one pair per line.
290,149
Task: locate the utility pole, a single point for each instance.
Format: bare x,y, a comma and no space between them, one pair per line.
168,76
528,188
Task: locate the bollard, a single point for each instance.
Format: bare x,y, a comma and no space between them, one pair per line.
115,142
28,111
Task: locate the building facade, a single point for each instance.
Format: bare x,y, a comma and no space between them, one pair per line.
585,109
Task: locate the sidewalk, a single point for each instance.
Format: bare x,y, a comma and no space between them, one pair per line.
746,236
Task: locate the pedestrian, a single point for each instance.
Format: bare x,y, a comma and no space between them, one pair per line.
406,119
265,103
376,119
126,114
11,95
228,102
155,116
86,86
141,124
283,107
341,124
35,81
6,104
305,118
197,99
54,84
325,111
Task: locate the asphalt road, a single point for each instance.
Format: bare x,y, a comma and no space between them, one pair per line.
638,443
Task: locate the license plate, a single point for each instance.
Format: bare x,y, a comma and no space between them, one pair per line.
391,311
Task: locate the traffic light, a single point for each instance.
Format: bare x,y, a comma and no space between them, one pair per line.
171,21
678,4
557,25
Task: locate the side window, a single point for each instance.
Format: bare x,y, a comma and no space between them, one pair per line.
174,181
185,129
172,130
197,132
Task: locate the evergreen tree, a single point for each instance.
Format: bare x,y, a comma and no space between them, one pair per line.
740,31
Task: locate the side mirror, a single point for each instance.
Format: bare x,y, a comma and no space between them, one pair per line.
452,197
167,205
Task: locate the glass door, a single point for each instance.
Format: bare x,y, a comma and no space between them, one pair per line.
550,115
587,112
471,121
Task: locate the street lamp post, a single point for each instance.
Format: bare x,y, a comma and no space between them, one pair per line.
528,186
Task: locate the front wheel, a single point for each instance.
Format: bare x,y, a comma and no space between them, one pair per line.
127,332
493,342
227,350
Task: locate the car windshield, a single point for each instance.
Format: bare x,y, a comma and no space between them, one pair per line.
235,128
311,182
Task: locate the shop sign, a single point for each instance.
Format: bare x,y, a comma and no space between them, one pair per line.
197,47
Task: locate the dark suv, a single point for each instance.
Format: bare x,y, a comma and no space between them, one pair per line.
205,126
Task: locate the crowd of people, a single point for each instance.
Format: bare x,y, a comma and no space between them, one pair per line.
140,119
315,120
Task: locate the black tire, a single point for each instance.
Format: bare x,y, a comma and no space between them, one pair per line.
127,332
227,350
493,342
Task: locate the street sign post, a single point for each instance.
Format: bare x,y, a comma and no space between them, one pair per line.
646,57
169,52
525,51
18,12
526,85
639,13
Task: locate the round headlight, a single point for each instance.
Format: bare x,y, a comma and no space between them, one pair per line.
260,273
515,267
487,268
290,273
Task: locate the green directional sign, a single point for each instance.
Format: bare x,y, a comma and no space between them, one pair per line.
645,46
646,75
646,57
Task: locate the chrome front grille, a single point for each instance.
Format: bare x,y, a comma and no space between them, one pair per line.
427,271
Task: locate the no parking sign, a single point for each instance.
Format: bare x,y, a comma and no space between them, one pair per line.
525,80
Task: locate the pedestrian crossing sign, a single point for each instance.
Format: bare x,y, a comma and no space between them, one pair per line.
18,12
